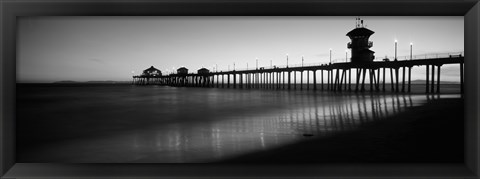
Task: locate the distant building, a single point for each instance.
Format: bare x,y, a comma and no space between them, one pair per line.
182,71
152,71
203,71
360,45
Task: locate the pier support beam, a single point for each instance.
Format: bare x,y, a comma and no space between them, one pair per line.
377,86
372,79
409,79
223,78
321,76
234,80
308,79
403,79
432,88
341,80
397,83
314,80
331,79
289,84
328,79
427,85
359,74
363,79
392,82
384,79
349,79
228,80
438,78
461,78
301,80
295,80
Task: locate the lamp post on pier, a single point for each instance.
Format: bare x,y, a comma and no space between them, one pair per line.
302,60
395,49
346,54
287,60
256,65
411,46
330,56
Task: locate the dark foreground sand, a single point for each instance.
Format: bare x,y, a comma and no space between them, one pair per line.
429,133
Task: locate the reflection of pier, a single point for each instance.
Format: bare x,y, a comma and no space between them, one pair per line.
246,132
333,77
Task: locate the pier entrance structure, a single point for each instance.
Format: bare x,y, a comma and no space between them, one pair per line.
333,76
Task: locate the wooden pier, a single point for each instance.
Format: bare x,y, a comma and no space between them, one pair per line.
333,77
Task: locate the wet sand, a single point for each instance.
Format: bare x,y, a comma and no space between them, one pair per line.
429,133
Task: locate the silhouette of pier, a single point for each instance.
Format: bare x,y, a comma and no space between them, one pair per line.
333,76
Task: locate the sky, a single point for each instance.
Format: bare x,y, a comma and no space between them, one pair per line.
90,48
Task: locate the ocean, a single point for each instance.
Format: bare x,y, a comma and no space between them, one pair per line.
95,123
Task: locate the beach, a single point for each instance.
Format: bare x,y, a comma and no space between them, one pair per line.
426,134
79,123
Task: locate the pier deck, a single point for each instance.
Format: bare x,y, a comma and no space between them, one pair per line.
338,76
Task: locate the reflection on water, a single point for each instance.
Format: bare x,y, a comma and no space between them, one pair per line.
218,124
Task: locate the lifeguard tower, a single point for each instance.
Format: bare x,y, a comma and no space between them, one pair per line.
359,44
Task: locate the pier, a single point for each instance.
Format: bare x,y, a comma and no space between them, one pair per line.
331,76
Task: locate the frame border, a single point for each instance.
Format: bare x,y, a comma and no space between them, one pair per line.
11,9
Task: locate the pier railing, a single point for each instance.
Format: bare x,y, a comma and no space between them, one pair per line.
377,59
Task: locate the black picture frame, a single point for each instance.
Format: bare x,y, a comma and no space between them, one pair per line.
11,9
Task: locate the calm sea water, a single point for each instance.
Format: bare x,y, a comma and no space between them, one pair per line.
144,124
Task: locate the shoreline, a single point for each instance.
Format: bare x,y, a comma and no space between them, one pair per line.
417,89
424,134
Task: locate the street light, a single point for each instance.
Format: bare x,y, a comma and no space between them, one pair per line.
287,60
411,45
256,66
302,60
395,49
346,54
330,55
271,64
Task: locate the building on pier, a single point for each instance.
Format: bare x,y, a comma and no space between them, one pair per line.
149,76
359,43
182,71
203,71
152,71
